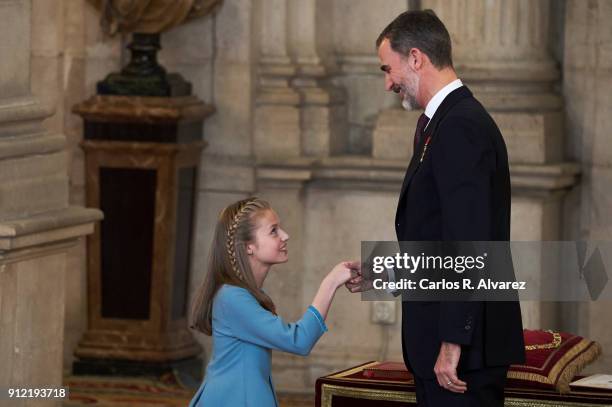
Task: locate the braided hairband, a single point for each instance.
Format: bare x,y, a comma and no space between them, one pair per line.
231,237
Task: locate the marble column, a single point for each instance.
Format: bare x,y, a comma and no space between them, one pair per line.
276,111
502,48
356,25
323,109
37,224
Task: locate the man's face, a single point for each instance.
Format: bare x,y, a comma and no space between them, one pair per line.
399,75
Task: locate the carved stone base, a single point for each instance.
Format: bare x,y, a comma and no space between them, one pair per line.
33,263
137,345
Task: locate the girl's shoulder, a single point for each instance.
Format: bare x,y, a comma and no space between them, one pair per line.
232,289
233,301
229,292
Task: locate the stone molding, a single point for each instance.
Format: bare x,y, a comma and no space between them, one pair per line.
23,109
13,147
49,227
364,173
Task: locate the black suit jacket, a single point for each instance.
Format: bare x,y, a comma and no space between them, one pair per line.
459,192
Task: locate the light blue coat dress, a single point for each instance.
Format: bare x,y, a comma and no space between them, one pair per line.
239,371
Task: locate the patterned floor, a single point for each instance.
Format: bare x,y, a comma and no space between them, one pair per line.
142,392
296,400
123,391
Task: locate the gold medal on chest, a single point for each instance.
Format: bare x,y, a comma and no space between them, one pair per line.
427,140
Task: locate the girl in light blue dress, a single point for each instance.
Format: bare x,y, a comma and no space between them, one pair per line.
231,306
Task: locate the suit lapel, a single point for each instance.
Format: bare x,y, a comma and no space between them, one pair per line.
448,102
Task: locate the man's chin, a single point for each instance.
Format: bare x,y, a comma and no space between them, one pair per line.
409,105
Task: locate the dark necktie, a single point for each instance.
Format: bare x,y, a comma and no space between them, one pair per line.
420,129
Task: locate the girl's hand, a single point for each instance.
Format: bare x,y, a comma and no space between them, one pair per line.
342,273
345,271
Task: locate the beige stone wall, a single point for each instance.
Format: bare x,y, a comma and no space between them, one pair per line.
38,225
587,87
69,55
34,340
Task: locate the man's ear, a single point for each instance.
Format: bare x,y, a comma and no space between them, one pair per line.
417,58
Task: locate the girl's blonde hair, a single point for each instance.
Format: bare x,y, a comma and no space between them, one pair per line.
228,260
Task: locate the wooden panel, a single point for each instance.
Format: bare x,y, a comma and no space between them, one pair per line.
127,198
184,232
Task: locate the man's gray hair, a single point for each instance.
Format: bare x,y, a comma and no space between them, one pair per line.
423,30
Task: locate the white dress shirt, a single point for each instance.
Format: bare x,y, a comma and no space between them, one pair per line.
439,97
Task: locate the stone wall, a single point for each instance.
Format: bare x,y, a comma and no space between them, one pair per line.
39,225
587,89
69,55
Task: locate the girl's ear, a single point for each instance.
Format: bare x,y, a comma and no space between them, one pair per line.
250,248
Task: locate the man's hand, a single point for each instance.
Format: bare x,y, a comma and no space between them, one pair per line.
446,368
358,284
343,272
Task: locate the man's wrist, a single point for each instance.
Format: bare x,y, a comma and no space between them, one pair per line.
450,345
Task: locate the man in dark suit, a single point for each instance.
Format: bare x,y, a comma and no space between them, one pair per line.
456,188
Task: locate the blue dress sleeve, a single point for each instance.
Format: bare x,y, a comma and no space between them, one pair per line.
249,321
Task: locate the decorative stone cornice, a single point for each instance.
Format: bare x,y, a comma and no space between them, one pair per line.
12,147
364,173
544,177
46,228
23,109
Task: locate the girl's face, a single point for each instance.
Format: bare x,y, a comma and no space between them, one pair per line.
270,245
